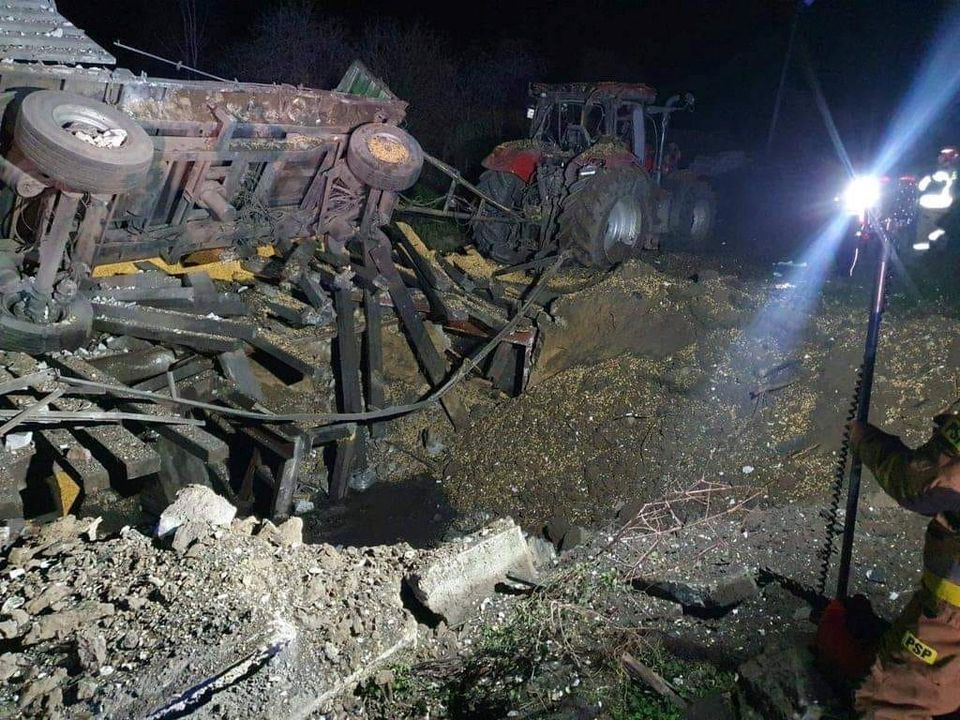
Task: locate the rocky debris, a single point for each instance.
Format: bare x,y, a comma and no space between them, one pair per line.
196,503
137,622
563,534
730,589
188,533
460,575
288,534
783,683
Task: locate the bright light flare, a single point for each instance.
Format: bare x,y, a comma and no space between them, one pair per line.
921,246
936,234
862,194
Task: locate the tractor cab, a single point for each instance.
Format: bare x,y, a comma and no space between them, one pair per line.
595,176
577,116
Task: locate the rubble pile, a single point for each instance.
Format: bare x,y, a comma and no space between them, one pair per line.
127,626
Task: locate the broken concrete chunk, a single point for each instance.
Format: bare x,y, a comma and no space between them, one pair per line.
291,531
62,624
9,629
463,573
244,526
42,687
91,651
9,665
53,594
732,588
288,534
189,533
197,503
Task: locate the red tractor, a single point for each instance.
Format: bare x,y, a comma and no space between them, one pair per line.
596,178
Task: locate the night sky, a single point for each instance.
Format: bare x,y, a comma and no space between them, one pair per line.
727,53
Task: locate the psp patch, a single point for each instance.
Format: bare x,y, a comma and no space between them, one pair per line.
912,644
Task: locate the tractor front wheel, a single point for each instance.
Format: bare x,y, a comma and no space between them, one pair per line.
693,209
603,218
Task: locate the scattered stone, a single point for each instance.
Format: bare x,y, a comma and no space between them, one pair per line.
198,503
244,526
732,588
61,624
188,533
53,594
783,683
876,575
291,532
42,687
91,650
9,665
9,629
457,577
302,506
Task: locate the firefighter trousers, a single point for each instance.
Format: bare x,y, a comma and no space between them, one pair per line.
916,675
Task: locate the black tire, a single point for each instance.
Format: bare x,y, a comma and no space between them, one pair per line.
603,218
384,157
500,240
693,211
42,137
19,334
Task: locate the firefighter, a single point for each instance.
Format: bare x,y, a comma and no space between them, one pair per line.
917,670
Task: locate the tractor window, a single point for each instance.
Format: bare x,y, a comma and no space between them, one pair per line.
561,116
593,121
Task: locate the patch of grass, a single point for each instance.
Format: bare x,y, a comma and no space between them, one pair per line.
552,650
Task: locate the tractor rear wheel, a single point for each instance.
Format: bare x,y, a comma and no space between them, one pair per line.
502,240
603,218
693,210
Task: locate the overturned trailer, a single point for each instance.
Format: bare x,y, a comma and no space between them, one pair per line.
101,165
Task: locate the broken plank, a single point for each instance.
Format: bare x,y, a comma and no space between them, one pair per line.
280,348
154,317
193,439
201,342
114,449
429,357
236,366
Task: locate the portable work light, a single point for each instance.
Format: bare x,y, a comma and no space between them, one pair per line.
861,194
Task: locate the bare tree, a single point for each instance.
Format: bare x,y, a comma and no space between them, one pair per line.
292,43
193,21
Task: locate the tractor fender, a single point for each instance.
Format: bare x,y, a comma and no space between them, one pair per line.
606,155
520,157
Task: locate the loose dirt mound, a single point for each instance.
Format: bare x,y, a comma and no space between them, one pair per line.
645,382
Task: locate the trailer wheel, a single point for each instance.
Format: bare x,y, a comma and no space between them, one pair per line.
604,217
70,330
384,157
50,129
501,240
693,210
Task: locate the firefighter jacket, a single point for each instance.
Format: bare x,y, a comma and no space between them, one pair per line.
927,481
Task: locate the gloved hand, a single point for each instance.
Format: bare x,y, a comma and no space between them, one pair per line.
857,431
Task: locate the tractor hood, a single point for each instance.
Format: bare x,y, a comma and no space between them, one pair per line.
520,157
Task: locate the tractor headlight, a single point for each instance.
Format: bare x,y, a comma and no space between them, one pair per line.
862,194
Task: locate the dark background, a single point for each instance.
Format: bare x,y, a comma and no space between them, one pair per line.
464,67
